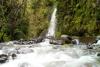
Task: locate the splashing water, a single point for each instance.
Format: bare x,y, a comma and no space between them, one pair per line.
49,57
98,42
51,30
52,27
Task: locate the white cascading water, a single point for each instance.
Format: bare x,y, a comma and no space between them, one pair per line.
53,56
98,42
52,27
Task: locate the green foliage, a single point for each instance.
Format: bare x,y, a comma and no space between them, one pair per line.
97,31
77,17
12,17
40,12
24,18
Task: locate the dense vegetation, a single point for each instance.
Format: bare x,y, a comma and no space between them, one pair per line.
13,22
77,17
29,18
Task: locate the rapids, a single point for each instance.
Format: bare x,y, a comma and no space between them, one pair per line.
49,56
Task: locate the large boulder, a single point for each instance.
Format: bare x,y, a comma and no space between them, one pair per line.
56,42
66,38
75,41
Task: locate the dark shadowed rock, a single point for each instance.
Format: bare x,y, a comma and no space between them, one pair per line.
15,42
66,38
98,54
30,42
95,41
56,42
14,56
3,58
38,40
75,41
41,37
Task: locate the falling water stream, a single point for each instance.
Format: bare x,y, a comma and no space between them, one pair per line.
53,56
52,27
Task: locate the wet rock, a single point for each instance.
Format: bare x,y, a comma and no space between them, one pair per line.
15,42
40,39
37,40
89,46
19,42
60,42
3,58
14,56
66,38
98,54
95,41
75,41
56,42
30,42
24,42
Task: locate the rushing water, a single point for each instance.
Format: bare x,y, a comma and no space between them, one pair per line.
48,55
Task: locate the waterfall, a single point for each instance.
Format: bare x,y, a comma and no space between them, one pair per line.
51,29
